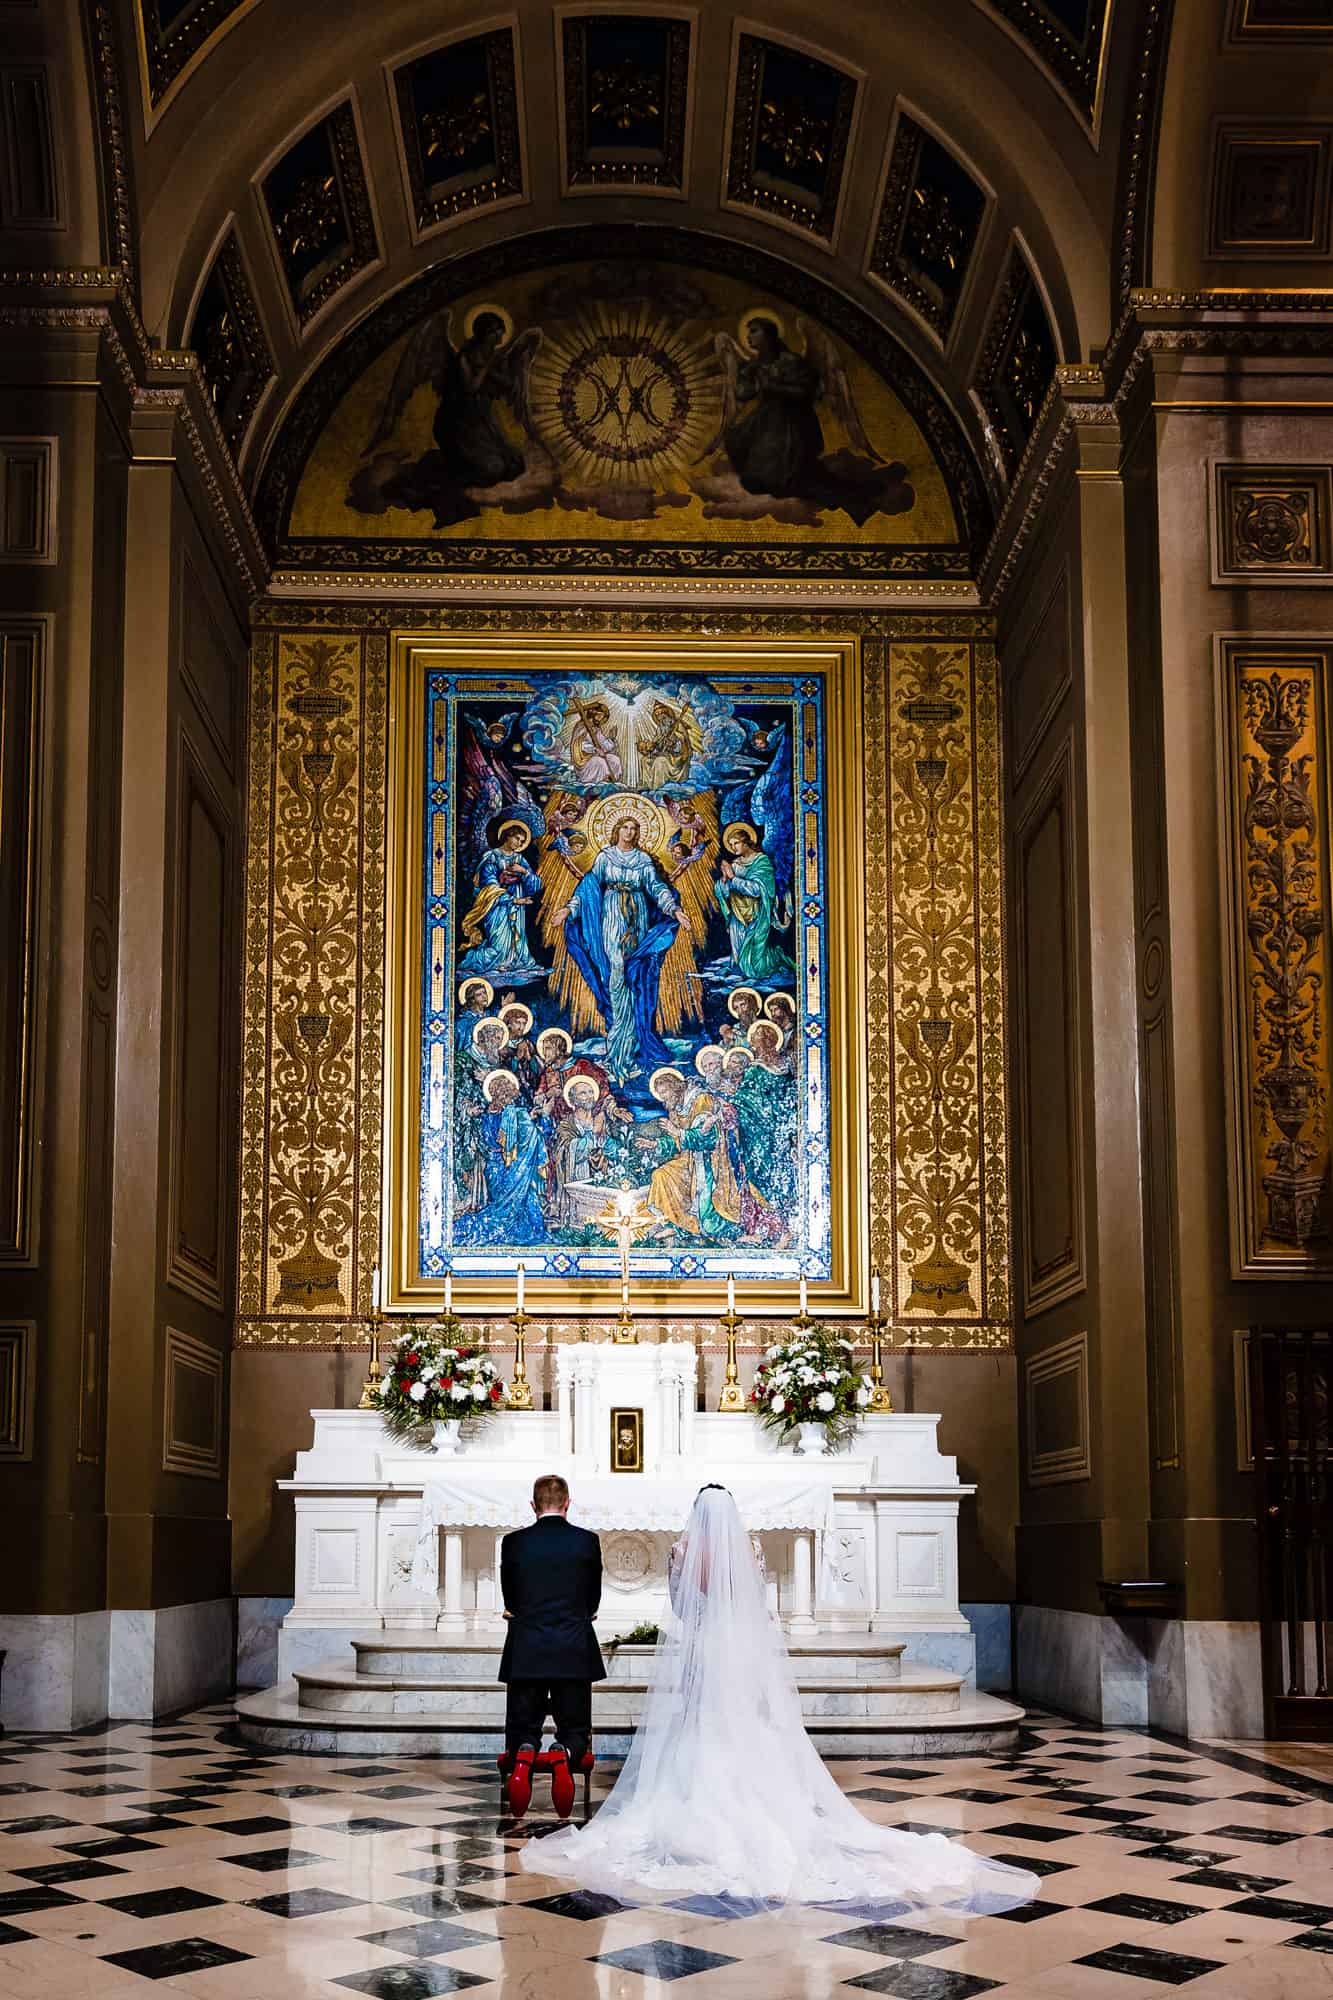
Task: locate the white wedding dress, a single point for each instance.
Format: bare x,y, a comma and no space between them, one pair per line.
723,1792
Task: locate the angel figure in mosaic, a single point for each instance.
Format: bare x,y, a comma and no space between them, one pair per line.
772,437
474,460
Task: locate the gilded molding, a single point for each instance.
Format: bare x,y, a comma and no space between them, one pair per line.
317,614
255,992
1138,154
115,172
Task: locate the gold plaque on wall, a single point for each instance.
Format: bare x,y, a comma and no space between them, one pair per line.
627,1440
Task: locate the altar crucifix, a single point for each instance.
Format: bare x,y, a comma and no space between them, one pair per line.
626,1217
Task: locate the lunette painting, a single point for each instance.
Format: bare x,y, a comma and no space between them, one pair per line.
623,976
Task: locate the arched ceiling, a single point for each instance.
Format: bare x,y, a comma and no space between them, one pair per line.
940,163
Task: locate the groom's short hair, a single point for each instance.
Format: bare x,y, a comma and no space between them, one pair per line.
549,1491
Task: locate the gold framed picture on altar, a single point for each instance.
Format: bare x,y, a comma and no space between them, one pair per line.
627,1440
626,951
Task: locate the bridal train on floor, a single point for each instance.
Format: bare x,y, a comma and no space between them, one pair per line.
723,1792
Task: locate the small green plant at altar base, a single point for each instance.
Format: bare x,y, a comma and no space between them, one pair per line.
811,1379
640,1635
429,1378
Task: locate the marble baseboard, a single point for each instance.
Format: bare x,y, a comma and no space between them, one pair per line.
56,1669
258,1620
1193,1677
170,1659
1083,1664
992,1634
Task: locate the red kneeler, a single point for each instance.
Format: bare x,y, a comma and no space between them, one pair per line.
542,1762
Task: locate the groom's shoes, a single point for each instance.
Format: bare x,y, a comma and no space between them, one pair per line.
520,1780
562,1781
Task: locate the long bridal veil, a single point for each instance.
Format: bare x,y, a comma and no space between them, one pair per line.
724,1793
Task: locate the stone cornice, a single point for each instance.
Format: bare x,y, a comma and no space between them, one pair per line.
98,300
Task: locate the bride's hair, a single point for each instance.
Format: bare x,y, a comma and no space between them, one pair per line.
712,1487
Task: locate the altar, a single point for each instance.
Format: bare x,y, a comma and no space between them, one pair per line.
391,1539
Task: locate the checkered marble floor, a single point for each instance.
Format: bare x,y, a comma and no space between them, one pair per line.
173,1857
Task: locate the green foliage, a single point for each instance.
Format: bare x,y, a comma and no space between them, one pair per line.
642,1635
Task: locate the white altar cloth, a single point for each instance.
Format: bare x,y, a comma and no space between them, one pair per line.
617,1501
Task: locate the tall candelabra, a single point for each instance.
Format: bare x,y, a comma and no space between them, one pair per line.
732,1400
370,1388
520,1389
880,1399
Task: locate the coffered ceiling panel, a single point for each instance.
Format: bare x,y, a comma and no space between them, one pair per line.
792,123
625,100
317,202
226,333
930,220
460,127
1018,360
1068,38
175,34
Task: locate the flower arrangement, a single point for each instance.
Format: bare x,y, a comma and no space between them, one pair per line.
810,1379
645,1634
429,1379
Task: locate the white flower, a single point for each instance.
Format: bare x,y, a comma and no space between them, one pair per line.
778,1405
418,1392
385,1385
458,1394
862,1398
826,1401
866,1379
772,1353
479,1392
830,1374
808,1376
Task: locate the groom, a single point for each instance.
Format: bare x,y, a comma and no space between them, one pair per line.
551,1583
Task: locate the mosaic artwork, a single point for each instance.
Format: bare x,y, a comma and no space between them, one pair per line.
629,412
623,971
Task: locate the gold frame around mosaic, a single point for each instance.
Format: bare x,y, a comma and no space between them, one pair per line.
835,656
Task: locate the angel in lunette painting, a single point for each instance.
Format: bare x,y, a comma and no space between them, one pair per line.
473,457
772,437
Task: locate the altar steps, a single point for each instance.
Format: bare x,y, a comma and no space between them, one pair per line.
418,1696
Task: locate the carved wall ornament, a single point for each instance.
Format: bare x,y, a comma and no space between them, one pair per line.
1276,795
1270,191
1273,522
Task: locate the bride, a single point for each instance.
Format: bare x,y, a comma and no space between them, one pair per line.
724,1793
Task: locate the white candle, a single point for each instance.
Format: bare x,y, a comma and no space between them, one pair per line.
731,1292
804,1295
375,1289
874,1293
522,1274
448,1294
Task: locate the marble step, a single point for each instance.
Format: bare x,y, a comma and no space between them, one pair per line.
477,1656
334,1688
980,1725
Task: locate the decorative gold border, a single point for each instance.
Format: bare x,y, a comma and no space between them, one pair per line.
617,1417
836,657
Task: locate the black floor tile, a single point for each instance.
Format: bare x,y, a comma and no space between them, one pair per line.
1283,1910
582,1904
1228,1878
270,1858
1030,1913
1263,1836
1019,1829
1177,1852
922,1982
257,1823
173,1961
14,1791
302,1902
1036,1864
449,1902
149,1823
168,1902
400,1792
377,1771
447,1873
410,1982
106,1850
728,1908
429,1940
39,1823
1313,1941
973,1795
1113,1815
53,1874
883,1796
1141,1961
891,1940
365,1825
1147,1909
665,1960
1265,1799
11,1934
1170,1798
898,1771
298,1791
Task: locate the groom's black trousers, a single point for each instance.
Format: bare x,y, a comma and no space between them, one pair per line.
569,1703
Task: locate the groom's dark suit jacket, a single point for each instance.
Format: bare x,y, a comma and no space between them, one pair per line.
551,1581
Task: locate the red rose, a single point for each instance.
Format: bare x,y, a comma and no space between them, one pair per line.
404,1384
495,1393
449,1382
412,1360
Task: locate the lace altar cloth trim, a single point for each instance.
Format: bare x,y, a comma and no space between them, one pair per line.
613,1503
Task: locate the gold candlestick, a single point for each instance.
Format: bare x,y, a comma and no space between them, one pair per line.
731,1401
370,1388
880,1399
520,1389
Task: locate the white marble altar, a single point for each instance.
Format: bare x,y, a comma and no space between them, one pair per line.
864,1541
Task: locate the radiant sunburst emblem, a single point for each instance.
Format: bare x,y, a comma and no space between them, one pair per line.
620,399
